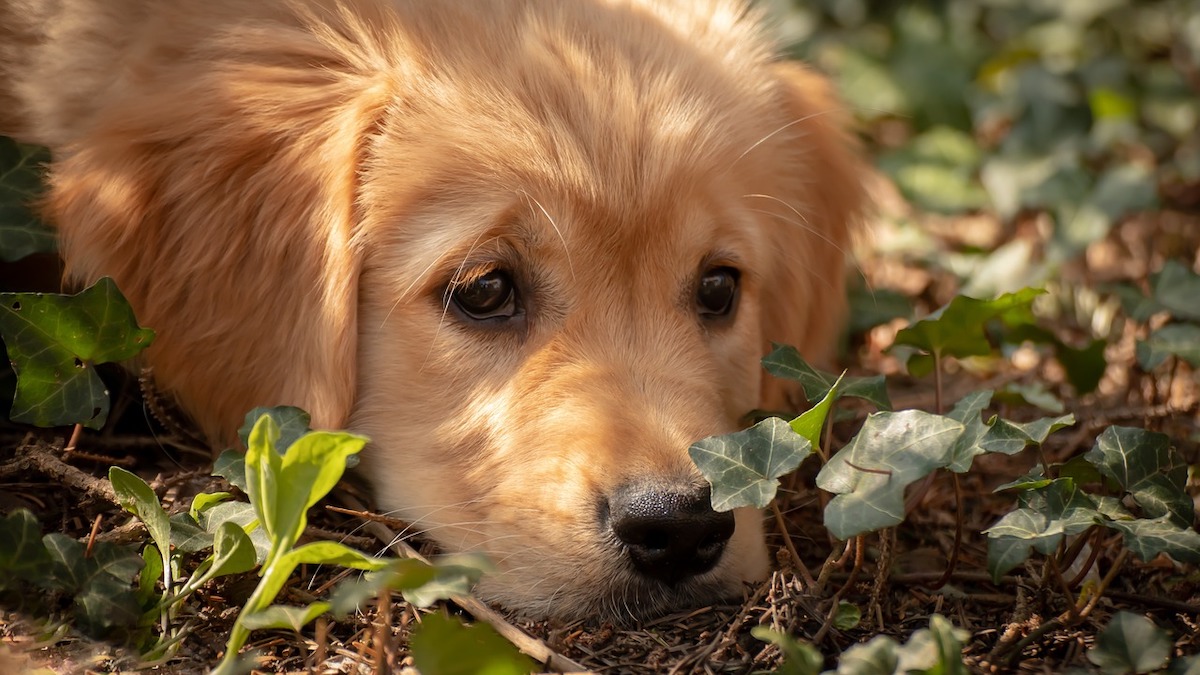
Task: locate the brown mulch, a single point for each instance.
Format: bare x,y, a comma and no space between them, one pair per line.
1020,624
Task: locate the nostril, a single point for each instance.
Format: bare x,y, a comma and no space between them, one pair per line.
670,534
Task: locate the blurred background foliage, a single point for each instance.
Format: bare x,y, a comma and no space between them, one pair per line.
1081,111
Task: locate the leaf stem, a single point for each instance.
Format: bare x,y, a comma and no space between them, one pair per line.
952,563
797,562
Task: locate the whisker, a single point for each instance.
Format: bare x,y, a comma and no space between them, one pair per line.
566,250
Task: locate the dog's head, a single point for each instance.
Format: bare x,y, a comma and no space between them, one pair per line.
532,252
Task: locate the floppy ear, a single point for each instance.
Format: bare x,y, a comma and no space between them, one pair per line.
821,203
219,192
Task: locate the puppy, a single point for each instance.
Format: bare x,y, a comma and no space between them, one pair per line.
532,248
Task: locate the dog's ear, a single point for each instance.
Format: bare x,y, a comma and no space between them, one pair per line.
219,191
819,206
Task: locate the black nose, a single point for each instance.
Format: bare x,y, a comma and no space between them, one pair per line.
670,533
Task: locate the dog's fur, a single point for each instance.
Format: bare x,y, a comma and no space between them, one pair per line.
286,191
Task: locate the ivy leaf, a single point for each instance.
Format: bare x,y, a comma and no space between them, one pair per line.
1147,538
811,422
21,233
292,422
23,556
102,584
55,341
1181,340
231,465
1130,643
1145,465
848,616
744,467
445,646
969,444
957,329
1177,288
869,475
1047,515
786,362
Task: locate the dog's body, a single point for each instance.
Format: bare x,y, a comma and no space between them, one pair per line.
532,249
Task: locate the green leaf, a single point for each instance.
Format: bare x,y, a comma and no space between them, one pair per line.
23,556
231,465
869,475
848,616
21,233
281,489
206,500
969,444
1181,340
244,515
152,569
54,342
233,552
136,497
284,616
1047,515
397,575
454,575
957,329
1147,538
744,467
1145,465
1130,643
187,536
445,646
810,423
1177,289
799,658
292,422
102,584
1029,433
1084,367
786,362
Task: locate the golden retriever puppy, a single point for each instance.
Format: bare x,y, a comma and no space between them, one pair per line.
532,248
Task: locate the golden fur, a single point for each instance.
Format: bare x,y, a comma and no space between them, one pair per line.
286,190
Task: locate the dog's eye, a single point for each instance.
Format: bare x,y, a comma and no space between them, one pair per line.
717,292
491,295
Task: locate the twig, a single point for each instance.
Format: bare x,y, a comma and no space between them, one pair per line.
1006,651
75,434
87,552
859,552
34,457
526,643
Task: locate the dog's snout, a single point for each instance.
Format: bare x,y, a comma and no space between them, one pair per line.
670,534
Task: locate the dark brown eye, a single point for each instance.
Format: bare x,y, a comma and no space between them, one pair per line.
717,292
492,295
